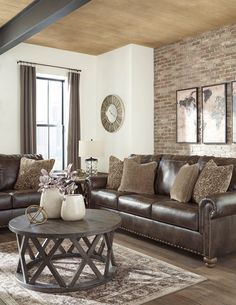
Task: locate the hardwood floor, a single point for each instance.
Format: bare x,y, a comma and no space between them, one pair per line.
219,289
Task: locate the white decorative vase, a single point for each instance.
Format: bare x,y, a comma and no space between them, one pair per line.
73,207
51,201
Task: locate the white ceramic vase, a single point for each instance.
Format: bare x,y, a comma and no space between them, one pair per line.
51,201
73,207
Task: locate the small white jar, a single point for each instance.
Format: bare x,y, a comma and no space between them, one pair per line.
73,207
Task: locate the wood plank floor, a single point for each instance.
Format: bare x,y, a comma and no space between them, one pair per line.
219,289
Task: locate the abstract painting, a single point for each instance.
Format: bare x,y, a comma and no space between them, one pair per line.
214,114
234,110
186,115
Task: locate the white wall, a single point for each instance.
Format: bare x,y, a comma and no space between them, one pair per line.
113,77
127,72
142,103
10,88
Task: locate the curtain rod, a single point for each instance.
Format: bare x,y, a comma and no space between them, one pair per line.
45,65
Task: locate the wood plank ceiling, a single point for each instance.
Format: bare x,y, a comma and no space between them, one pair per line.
103,25
8,9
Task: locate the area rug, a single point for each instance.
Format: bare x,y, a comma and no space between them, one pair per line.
138,279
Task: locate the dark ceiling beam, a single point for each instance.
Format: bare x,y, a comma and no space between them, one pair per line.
33,19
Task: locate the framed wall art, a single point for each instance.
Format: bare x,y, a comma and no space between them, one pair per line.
234,109
186,115
214,114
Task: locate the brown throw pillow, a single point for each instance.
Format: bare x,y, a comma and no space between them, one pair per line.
138,178
116,171
30,171
212,180
184,183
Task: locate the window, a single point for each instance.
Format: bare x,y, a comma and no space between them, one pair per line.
50,120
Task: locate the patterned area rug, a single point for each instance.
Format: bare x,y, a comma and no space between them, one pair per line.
139,279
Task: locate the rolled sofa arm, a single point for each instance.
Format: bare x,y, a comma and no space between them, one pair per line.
96,182
219,205
93,183
213,226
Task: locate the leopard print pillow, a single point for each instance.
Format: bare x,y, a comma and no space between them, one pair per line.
30,171
212,180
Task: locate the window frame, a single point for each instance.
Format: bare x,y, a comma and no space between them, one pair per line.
62,81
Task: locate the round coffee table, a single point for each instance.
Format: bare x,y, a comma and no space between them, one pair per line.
88,242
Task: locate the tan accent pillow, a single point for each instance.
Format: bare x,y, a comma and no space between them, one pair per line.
184,183
212,180
30,171
138,178
116,171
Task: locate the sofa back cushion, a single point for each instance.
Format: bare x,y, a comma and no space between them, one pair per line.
166,174
150,158
9,168
168,169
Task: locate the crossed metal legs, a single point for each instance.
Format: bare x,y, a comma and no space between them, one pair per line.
89,252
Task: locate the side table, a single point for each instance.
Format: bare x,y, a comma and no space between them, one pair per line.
80,181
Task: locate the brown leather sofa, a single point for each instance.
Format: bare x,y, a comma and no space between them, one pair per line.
207,229
13,202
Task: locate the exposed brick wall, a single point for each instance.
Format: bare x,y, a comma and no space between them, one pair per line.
209,58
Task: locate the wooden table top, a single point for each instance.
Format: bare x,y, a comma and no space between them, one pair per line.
95,222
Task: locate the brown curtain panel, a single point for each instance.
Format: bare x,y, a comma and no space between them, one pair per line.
28,109
74,120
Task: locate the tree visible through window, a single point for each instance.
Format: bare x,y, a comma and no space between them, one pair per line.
50,120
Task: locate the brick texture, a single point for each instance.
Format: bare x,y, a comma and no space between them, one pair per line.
207,59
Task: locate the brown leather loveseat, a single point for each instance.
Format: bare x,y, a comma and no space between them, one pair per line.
207,229
13,202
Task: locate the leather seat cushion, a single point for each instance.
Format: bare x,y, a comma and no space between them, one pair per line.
105,197
139,205
24,198
5,201
177,213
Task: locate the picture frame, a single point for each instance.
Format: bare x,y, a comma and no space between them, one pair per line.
214,109
187,115
233,90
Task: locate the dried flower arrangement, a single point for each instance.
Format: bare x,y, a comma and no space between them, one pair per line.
65,184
